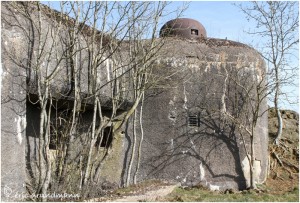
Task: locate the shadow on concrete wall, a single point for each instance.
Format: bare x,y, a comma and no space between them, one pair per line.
176,151
207,147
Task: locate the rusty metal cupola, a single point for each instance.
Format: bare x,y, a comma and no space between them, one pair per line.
183,27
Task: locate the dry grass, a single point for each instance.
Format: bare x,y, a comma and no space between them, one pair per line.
200,195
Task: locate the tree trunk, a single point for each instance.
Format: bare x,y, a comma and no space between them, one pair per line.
41,167
92,143
140,143
132,151
47,151
252,167
279,130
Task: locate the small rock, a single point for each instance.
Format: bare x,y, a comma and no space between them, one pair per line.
229,191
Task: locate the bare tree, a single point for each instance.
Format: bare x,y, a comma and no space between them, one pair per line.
277,24
42,47
242,97
86,51
252,87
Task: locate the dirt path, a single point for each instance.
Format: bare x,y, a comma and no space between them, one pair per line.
152,195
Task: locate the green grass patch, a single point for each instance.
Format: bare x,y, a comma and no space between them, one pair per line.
202,195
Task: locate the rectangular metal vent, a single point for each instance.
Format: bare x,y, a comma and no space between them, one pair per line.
193,121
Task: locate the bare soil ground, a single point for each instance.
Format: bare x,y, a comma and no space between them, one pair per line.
151,190
149,196
284,159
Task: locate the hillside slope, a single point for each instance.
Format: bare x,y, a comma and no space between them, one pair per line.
284,159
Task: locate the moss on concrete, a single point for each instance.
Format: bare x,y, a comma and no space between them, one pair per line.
112,167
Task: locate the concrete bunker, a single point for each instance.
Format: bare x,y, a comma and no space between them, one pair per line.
197,147
186,140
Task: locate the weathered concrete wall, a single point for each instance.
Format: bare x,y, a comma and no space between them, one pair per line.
213,153
79,146
111,170
53,61
20,45
13,120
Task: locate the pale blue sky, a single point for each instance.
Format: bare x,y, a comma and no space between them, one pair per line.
220,18
223,19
